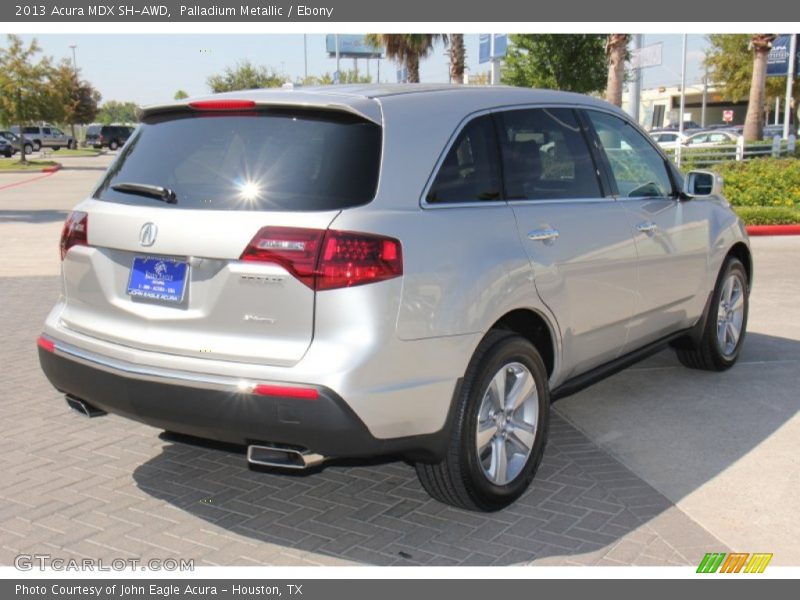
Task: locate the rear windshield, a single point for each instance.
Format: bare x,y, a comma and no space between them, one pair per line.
265,160
93,130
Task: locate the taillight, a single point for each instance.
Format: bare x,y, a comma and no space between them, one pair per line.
327,260
74,232
222,104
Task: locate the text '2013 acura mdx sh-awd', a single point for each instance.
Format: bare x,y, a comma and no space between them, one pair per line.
412,270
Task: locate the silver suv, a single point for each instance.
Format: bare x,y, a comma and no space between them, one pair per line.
47,137
413,270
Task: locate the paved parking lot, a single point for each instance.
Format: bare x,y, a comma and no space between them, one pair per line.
656,465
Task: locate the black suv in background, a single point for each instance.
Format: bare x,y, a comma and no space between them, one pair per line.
110,136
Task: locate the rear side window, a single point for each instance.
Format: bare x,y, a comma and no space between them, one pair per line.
639,170
545,156
264,160
470,171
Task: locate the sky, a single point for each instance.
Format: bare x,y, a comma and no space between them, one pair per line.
150,68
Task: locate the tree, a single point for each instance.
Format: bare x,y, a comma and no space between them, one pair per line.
117,112
729,61
26,90
245,76
572,62
180,95
616,55
407,48
345,76
457,57
77,98
761,43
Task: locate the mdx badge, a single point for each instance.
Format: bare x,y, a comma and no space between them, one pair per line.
147,236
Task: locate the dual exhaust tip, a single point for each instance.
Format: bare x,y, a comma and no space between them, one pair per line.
262,455
84,408
283,458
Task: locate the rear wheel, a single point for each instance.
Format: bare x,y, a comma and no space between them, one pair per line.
500,428
8,153
113,145
71,145
37,145
56,148
726,323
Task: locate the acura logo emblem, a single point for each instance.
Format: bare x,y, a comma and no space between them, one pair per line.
147,236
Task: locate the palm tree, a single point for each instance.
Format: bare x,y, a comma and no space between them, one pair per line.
761,43
407,48
616,53
457,56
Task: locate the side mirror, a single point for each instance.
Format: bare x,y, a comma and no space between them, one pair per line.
702,184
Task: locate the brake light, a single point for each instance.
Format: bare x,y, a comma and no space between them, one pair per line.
327,260
74,232
222,104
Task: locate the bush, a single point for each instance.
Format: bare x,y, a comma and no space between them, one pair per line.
768,215
771,182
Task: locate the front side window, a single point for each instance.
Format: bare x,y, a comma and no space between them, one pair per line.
470,171
545,156
639,170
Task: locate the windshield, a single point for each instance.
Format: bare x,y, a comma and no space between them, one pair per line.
264,160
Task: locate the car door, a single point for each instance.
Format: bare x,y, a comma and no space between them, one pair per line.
671,235
576,236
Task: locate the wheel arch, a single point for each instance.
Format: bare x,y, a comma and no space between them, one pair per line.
534,327
742,252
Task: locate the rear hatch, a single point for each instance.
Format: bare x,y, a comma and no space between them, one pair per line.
174,230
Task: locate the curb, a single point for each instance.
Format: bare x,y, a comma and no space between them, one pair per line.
773,229
51,169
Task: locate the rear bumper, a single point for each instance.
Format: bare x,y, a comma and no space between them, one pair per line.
224,409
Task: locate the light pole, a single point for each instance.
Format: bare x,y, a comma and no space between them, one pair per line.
74,59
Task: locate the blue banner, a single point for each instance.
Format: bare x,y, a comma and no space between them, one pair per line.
778,59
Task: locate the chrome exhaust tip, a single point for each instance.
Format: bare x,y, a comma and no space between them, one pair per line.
282,458
83,407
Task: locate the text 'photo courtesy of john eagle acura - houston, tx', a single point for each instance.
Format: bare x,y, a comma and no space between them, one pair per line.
414,271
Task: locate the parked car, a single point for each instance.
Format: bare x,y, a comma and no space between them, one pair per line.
108,136
687,126
703,139
6,149
367,270
46,137
14,140
770,131
668,139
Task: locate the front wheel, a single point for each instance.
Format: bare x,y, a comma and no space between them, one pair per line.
500,427
726,323
71,145
37,146
28,149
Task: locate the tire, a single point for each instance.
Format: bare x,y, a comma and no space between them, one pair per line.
28,149
113,145
71,145
56,148
37,145
718,348
8,154
467,478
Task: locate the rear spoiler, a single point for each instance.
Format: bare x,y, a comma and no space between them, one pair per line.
365,108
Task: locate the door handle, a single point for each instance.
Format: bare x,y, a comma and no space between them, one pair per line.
543,235
647,227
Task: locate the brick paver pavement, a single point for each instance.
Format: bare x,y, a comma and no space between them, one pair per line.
108,488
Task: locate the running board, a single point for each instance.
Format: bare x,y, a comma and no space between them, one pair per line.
584,380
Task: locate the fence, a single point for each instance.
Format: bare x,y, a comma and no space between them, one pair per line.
710,155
